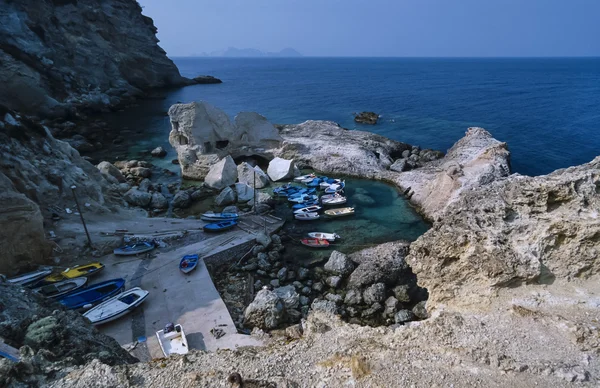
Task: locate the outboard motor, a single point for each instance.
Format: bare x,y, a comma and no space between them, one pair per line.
169,327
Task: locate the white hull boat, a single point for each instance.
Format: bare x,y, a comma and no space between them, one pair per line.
173,342
54,290
30,277
336,200
116,307
336,187
304,177
307,216
303,198
308,209
324,236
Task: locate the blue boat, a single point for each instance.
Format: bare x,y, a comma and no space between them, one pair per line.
305,204
135,249
216,217
188,263
219,226
94,294
335,187
314,183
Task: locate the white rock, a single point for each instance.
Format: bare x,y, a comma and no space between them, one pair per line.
225,197
280,169
137,198
288,296
110,172
222,174
253,128
247,173
244,192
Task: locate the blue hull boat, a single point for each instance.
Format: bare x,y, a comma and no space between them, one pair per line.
314,183
303,205
94,294
188,263
134,249
216,217
220,226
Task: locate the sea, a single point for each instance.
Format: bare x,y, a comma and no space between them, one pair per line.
546,110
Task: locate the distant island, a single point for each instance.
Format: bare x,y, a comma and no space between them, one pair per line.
233,52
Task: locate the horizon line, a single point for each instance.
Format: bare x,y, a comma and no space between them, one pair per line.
402,57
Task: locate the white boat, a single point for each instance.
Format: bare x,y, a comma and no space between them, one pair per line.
307,216
324,185
173,342
117,306
324,236
335,187
303,198
30,277
308,209
54,290
335,200
340,212
304,177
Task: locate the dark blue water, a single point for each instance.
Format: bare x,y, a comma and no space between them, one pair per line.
547,110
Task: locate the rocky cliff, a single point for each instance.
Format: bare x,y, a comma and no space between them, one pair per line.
56,55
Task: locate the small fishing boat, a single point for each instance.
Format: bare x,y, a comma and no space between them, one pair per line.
54,290
307,216
30,277
216,217
172,340
324,236
117,306
219,226
135,249
328,182
304,177
73,272
308,209
303,205
335,187
315,242
335,200
314,183
303,198
307,180
340,212
94,294
188,263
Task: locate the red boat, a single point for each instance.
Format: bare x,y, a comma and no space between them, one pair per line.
315,242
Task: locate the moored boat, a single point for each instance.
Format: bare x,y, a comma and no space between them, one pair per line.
340,212
172,340
305,204
117,306
303,198
335,187
308,209
304,177
87,270
55,290
188,263
216,217
325,236
315,242
307,216
334,200
30,277
135,249
94,294
219,226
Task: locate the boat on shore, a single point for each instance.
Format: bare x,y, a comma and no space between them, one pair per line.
117,306
325,236
94,294
87,270
307,216
219,226
135,249
315,242
55,290
172,340
340,212
217,217
30,278
188,263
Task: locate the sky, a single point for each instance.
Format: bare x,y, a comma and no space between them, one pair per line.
389,28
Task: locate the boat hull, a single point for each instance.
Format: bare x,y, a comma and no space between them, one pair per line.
93,295
315,243
219,227
30,278
58,289
188,263
103,313
326,236
342,212
173,344
132,250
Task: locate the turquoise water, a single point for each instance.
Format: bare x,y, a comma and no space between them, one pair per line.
389,218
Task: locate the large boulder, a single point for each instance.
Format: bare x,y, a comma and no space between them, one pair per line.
374,294
158,152
225,197
267,311
159,201
247,175
339,264
380,264
110,172
288,296
244,192
399,165
280,169
182,200
136,197
255,129
325,306
222,174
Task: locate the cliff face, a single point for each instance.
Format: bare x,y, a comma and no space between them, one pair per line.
515,231
58,54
